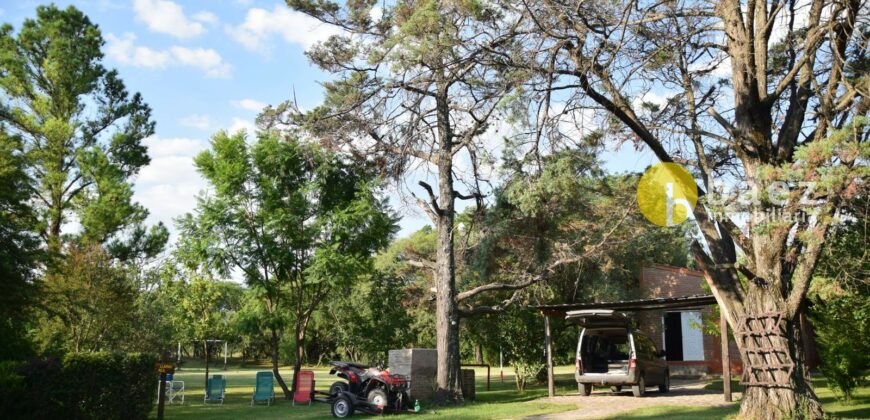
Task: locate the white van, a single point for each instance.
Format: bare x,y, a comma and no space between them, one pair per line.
611,353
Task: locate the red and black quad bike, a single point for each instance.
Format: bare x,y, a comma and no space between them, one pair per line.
370,390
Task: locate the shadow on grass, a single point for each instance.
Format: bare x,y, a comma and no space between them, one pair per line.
679,413
859,407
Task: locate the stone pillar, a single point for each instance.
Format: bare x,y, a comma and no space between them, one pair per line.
420,366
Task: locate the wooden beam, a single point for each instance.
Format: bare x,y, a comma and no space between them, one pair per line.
726,357
548,342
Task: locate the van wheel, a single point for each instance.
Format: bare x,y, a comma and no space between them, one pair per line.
640,388
585,389
616,389
666,385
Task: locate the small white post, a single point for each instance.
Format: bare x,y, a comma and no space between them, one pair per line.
178,355
500,364
225,355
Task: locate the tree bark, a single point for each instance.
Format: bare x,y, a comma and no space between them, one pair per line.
281,383
795,398
446,313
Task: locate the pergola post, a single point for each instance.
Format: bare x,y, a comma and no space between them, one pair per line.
548,342
726,357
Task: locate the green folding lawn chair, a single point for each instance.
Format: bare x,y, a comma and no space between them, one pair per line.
264,388
216,389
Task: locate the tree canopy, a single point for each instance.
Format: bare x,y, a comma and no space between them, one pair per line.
295,220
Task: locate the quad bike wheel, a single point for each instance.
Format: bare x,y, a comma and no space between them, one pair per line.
616,389
337,388
342,407
378,398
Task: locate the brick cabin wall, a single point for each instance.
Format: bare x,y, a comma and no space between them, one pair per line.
659,280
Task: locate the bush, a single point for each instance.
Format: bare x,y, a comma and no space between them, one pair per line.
37,389
524,370
837,322
82,386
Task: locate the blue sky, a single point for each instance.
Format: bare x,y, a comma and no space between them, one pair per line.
204,66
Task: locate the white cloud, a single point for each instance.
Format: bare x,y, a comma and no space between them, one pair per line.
249,104
206,59
376,13
125,51
168,186
202,122
166,17
649,97
159,147
242,124
260,25
206,17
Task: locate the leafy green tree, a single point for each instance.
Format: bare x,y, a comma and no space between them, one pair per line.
204,310
564,225
18,254
252,321
411,92
766,95
80,137
81,130
294,220
156,326
569,231
92,301
370,317
840,298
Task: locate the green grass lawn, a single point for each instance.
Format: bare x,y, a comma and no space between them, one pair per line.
503,401
858,408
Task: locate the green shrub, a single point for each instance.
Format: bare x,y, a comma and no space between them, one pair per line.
11,384
32,389
82,386
837,322
840,297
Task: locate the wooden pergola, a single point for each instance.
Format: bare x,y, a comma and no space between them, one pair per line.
681,302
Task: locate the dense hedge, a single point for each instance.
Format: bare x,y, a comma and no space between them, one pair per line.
81,386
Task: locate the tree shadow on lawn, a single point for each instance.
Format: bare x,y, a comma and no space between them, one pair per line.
679,413
859,407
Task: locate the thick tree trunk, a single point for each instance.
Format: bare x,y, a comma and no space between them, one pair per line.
478,354
446,315
274,344
793,397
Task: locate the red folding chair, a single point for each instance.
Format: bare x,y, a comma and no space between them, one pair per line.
304,387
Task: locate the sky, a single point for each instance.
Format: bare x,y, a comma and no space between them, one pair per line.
205,66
